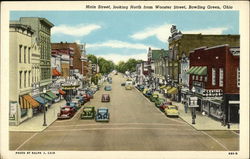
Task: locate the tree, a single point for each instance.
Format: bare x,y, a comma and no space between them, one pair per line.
92,58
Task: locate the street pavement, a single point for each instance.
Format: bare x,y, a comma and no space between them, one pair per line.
135,125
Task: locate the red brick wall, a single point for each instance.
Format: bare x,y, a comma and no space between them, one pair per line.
225,60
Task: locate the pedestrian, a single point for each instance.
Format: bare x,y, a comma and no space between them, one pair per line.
186,107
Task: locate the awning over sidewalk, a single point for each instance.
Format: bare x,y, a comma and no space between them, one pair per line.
55,72
61,92
52,95
173,91
202,71
41,100
27,102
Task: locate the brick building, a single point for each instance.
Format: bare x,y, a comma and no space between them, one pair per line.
214,73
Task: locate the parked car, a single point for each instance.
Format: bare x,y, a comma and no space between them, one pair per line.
159,102
102,114
128,87
80,99
105,98
107,88
140,87
171,110
164,105
86,97
88,112
66,112
122,84
90,93
74,104
154,96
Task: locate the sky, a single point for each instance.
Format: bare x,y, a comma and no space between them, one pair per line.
120,35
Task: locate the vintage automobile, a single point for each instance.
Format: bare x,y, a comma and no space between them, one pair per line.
80,99
148,93
66,112
88,112
171,110
102,114
140,87
164,105
74,104
145,91
86,97
159,102
154,96
105,98
107,88
128,87
122,84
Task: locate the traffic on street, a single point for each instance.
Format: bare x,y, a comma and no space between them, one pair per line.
128,120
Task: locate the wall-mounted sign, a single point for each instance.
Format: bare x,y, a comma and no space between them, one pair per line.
13,110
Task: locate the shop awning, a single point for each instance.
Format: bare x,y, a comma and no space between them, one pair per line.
163,87
217,102
197,70
173,91
61,92
27,102
52,95
55,72
47,97
41,100
202,71
190,69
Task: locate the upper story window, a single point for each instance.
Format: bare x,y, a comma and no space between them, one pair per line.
238,77
25,48
29,54
20,53
213,76
221,77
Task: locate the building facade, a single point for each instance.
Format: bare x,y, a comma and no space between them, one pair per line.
214,73
20,60
180,44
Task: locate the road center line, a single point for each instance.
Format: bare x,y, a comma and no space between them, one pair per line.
26,141
216,141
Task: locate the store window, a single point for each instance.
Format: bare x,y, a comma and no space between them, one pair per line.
24,112
221,77
213,76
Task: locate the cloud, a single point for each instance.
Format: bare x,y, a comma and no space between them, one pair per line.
118,57
206,31
161,32
78,30
119,44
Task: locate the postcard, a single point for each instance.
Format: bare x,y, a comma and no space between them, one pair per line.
125,79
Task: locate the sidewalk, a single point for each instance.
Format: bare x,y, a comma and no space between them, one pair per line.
35,124
202,122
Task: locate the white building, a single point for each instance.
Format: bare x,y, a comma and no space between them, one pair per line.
21,73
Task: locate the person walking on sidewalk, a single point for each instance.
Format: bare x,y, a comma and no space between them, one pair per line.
186,106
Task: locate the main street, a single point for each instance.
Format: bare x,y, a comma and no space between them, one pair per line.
135,124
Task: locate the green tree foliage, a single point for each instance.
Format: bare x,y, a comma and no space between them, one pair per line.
92,58
130,65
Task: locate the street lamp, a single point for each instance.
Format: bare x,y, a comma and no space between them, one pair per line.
193,108
44,109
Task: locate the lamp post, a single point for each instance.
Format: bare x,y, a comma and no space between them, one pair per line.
193,108
44,109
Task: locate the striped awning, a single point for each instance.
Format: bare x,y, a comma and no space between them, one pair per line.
26,102
202,71
173,91
55,72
